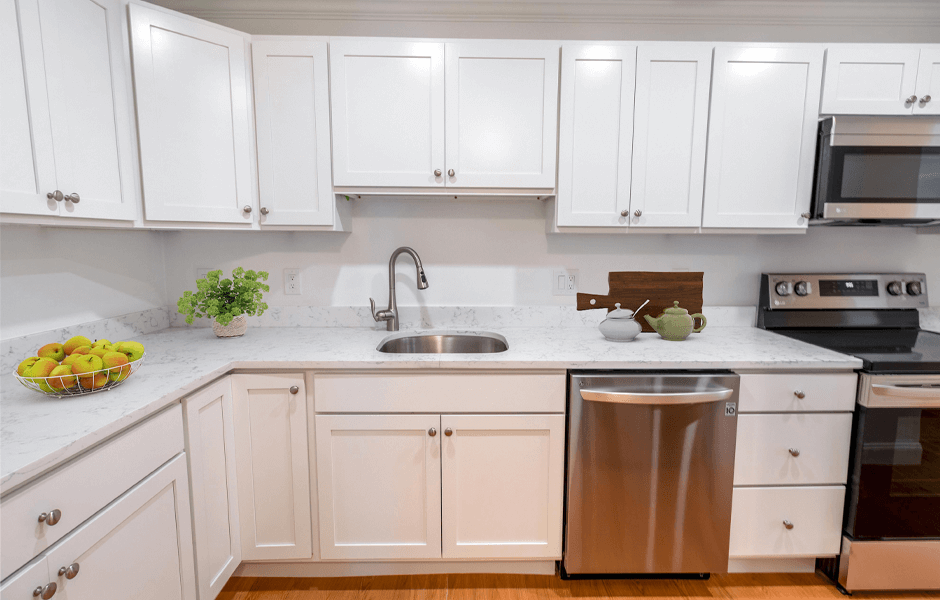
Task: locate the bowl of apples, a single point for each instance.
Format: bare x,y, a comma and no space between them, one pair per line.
80,366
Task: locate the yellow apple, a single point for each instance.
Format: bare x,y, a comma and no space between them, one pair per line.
25,365
41,369
55,351
133,350
75,342
102,344
57,382
117,365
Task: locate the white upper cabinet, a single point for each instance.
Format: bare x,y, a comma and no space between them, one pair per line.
670,126
292,110
388,113
596,133
66,113
928,83
191,83
501,113
870,80
762,136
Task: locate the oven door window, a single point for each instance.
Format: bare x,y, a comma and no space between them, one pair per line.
884,174
896,474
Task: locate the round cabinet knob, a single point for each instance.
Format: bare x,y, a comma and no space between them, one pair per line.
799,394
801,288
782,289
794,451
432,432
246,208
294,389
806,215
437,172
625,213
57,195
638,213
450,172
73,198
895,288
52,517
70,571
925,99
448,432
914,288
787,524
264,210
45,591
911,100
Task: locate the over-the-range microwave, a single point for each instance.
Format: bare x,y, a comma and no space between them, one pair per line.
877,171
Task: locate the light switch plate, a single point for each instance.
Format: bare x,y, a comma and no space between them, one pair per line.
565,282
292,282
201,272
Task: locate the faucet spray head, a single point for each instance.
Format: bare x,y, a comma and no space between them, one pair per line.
422,280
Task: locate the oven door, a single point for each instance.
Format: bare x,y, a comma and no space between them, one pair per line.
894,484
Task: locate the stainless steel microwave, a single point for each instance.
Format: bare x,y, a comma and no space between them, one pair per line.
877,170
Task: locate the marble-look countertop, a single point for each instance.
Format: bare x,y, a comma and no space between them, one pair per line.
39,432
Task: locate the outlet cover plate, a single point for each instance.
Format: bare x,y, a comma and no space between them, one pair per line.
292,282
565,282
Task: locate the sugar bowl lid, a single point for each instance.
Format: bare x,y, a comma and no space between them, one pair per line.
620,313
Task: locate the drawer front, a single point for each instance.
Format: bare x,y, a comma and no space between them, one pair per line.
781,393
85,486
440,392
792,448
758,515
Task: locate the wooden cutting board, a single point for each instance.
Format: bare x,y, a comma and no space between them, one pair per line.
632,288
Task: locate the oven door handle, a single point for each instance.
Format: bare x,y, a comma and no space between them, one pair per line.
905,396
655,398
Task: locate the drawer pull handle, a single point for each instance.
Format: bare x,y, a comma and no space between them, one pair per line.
794,451
799,394
294,389
51,518
787,524
70,571
45,591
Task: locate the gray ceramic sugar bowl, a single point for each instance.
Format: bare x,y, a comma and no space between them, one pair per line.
620,326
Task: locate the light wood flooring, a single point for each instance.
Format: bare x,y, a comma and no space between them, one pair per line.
536,587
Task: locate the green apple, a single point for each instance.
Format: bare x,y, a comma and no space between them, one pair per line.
133,350
41,369
81,350
71,358
117,365
102,344
75,342
57,382
55,351
99,352
25,365
85,367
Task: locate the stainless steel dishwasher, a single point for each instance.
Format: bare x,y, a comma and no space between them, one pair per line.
650,468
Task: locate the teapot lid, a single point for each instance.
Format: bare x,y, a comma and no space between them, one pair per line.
675,310
620,313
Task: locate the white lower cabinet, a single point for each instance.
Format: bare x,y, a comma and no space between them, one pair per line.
272,466
24,584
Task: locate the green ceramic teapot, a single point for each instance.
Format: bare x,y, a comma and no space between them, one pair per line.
675,324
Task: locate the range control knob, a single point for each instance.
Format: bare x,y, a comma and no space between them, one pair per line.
801,288
782,289
895,288
914,288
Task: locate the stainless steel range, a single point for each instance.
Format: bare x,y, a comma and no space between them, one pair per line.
891,528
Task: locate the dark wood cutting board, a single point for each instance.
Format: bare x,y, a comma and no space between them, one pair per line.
662,288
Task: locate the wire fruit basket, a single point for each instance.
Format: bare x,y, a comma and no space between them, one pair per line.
62,386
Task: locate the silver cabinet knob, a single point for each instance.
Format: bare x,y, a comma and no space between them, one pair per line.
73,198
794,451
52,517
246,208
806,215
799,394
437,172
45,591
787,524
294,389
638,213
57,195
448,432
432,432
911,100
925,99
264,210
450,172
625,213
70,571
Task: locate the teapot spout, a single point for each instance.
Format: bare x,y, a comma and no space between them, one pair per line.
654,322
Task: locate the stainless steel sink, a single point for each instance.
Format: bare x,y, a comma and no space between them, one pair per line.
444,342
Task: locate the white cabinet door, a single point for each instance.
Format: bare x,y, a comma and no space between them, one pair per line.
292,115
388,113
596,134
502,486
502,111
928,83
379,486
139,547
210,446
89,106
35,576
27,164
762,136
191,83
670,128
869,79
272,466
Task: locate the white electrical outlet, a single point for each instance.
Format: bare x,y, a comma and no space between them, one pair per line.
292,282
565,282
201,272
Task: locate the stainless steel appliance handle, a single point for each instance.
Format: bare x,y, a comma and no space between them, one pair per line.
656,398
904,396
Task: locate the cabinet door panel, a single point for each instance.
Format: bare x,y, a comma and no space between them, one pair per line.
388,113
192,110
669,137
596,135
501,113
140,546
292,106
761,138
379,480
210,446
869,80
272,466
928,82
21,585
88,104
27,164
502,486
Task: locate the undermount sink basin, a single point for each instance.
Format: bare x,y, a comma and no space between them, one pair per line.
444,342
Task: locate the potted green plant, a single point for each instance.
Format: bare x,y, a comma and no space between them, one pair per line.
227,301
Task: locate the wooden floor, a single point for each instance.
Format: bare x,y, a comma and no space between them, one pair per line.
536,587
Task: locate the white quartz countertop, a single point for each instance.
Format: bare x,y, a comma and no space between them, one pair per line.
39,432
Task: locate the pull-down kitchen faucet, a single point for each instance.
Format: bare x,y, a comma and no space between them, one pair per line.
391,313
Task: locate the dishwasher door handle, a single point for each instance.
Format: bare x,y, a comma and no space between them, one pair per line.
655,398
